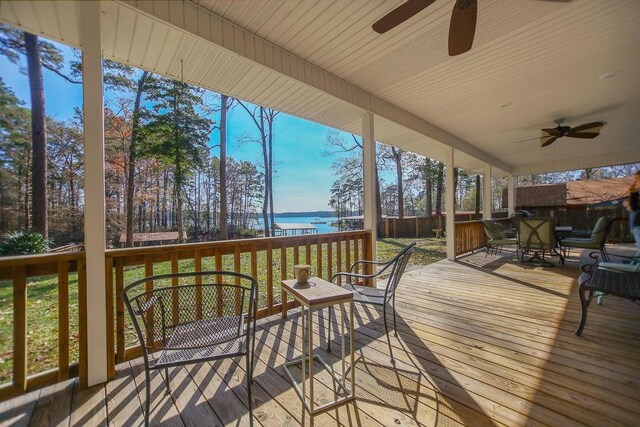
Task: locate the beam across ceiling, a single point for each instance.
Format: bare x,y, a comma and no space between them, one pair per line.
202,23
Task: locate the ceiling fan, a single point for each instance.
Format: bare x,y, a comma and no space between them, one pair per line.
585,131
462,28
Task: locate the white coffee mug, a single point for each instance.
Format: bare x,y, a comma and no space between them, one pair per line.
302,273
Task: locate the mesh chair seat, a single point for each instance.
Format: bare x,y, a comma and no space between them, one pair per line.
202,339
366,295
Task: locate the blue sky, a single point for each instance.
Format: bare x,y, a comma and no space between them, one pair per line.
303,176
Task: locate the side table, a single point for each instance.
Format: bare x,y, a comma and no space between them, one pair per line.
315,295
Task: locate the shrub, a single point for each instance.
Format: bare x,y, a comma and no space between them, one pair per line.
23,242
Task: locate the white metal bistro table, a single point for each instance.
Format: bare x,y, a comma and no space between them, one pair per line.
314,295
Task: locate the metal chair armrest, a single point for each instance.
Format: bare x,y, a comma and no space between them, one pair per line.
365,261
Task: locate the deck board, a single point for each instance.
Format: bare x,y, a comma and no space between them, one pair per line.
482,342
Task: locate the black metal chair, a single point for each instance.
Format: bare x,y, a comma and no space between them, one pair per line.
187,318
385,297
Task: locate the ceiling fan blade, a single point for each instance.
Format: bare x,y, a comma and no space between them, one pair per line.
593,127
545,141
525,140
400,14
463,26
583,135
551,132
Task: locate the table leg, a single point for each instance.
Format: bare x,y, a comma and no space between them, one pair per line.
310,326
304,379
351,349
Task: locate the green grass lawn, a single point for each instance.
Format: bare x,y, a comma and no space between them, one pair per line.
42,299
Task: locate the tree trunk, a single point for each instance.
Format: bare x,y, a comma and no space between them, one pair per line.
223,167
131,172
271,117
38,136
265,159
397,154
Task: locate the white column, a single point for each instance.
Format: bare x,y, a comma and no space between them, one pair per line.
511,194
450,201
486,197
94,203
369,178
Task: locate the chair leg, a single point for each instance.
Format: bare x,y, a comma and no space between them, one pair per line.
393,308
584,304
148,395
249,374
329,332
166,380
386,328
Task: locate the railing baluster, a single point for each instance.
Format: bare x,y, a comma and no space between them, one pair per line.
20,329
236,268
329,260
111,355
254,265
307,253
347,249
296,255
218,261
63,320
356,244
83,332
120,344
283,276
339,259
148,271
197,266
269,278
175,301
319,259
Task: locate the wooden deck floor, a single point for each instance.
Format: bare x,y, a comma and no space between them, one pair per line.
481,342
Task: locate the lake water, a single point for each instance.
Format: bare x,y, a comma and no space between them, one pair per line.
322,228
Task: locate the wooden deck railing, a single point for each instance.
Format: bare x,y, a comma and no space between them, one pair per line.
470,236
268,259
19,270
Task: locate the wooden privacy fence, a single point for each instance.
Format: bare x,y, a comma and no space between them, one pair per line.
268,259
423,226
19,270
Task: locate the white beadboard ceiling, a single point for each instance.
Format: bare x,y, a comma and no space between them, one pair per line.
532,62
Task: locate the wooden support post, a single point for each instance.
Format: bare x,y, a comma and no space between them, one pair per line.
511,194
450,195
94,183
369,175
486,196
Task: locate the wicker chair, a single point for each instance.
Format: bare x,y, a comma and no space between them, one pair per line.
187,318
384,297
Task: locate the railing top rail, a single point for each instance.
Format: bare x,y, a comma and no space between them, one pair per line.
13,261
220,244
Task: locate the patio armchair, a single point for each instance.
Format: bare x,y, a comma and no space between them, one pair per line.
597,239
621,279
383,297
498,236
537,235
187,318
